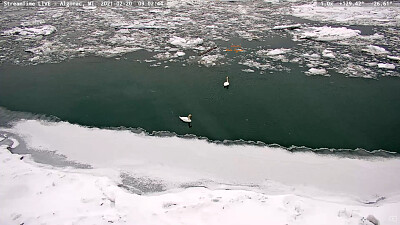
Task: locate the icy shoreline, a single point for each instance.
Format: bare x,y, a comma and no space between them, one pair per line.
231,193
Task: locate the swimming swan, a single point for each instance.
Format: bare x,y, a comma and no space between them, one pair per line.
226,83
187,119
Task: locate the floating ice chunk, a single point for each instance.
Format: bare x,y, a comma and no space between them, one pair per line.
314,56
185,43
210,60
328,53
254,64
179,54
44,49
164,56
288,27
41,30
272,1
248,70
353,70
111,52
372,37
315,71
33,22
386,66
393,57
278,51
326,33
375,50
15,143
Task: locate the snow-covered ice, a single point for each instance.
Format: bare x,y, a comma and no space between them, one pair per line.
315,71
375,50
328,53
185,43
31,31
327,33
386,66
271,185
366,15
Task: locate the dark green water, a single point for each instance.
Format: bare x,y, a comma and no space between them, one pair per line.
287,108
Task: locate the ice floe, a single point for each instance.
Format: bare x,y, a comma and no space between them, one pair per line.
386,66
287,27
328,54
393,57
365,15
185,43
326,33
211,60
31,31
315,71
375,50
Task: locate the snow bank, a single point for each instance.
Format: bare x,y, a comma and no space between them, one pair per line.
33,31
179,160
326,33
77,197
33,193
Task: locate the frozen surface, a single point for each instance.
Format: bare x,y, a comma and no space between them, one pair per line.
366,15
355,190
177,160
184,29
327,33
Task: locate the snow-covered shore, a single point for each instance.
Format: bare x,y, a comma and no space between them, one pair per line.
239,184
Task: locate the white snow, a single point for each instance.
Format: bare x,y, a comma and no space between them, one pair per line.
386,66
185,43
326,33
33,193
33,31
375,50
180,160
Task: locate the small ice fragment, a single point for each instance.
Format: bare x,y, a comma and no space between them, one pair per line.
328,54
289,27
375,50
386,66
315,71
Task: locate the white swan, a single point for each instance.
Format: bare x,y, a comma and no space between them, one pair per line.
226,83
187,119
